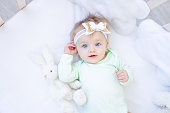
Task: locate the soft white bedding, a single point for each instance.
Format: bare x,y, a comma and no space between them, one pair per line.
22,87
153,45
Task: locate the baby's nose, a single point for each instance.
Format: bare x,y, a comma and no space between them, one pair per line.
92,49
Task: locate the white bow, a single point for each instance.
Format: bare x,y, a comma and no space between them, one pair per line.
92,27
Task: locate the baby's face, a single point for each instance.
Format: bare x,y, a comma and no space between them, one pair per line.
92,48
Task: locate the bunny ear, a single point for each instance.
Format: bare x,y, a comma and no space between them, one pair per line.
38,59
48,55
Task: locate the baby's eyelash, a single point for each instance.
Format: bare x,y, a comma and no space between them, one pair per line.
84,45
98,44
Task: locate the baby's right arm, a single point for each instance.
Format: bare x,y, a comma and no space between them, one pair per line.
67,71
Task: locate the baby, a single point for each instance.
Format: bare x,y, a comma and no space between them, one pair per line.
100,71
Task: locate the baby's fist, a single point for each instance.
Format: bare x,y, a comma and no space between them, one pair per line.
122,76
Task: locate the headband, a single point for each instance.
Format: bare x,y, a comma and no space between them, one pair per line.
91,27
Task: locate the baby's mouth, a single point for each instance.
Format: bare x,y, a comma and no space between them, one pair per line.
92,55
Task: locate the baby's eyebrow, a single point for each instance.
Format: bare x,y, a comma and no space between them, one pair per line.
98,40
82,42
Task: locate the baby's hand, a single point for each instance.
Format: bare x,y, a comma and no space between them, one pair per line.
122,76
70,48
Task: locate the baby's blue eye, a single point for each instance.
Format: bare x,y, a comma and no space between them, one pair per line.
98,44
84,45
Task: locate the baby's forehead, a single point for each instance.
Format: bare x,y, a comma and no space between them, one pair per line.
96,36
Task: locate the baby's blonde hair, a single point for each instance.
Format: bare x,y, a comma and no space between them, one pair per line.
90,18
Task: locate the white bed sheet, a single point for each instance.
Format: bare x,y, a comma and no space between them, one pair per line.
22,87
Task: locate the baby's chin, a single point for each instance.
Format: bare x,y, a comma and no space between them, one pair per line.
93,61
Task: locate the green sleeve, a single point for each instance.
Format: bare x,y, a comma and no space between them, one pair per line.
122,66
67,71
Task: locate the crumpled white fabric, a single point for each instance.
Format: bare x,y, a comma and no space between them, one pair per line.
153,44
122,13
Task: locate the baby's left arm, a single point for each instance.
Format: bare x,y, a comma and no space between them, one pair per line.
124,72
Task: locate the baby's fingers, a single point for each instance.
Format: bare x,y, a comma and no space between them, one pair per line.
71,46
72,42
122,80
121,77
119,72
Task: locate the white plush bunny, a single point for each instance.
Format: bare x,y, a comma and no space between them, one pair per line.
61,91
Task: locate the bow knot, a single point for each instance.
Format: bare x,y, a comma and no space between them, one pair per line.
92,27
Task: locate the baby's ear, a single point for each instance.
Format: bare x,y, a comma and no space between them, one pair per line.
107,43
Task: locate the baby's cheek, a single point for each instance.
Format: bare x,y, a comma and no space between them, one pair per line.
82,55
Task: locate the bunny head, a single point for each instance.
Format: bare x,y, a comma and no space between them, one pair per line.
47,63
50,72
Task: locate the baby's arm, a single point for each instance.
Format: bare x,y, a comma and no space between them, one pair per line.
67,71
124,72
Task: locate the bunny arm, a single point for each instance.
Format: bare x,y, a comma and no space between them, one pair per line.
75,84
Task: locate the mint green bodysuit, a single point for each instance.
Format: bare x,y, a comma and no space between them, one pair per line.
104,92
